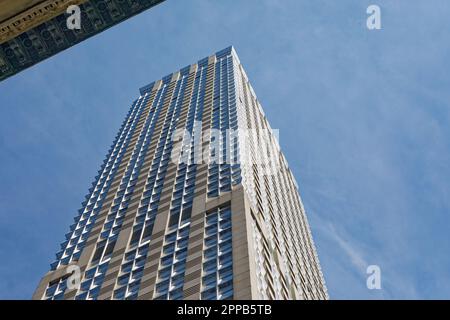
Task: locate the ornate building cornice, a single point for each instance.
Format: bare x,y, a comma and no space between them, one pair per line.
33,17
41,31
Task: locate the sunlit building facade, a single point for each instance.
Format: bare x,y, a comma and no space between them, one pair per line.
194,201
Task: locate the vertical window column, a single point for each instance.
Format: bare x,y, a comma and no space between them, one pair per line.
217,268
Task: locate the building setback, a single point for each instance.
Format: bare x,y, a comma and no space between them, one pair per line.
171,216
34,30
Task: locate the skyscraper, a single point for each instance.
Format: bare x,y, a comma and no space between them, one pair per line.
34,30
194,201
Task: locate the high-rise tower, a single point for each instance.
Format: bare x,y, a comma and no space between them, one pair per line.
194,201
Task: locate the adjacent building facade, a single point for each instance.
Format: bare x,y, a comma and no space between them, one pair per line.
194,200
34,30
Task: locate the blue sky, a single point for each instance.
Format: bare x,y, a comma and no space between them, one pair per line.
363,118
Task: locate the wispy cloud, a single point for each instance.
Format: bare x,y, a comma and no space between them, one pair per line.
355,257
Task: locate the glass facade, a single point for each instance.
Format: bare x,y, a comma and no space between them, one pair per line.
224,168
217,276
174,216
